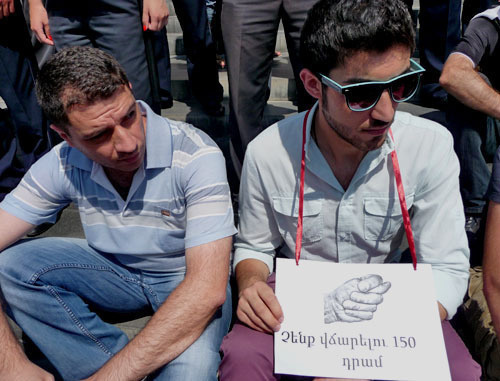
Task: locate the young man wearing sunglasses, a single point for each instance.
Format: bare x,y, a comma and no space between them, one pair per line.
357,62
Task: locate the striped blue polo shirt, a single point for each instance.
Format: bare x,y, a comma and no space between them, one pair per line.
178,199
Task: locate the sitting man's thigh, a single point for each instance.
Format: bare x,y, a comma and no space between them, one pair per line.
71,264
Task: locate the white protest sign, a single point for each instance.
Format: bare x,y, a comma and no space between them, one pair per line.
361,321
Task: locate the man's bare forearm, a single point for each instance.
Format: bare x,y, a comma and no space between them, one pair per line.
11,229
11,352
14,365
460,79
180,320
250,271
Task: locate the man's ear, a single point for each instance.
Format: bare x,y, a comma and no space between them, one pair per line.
130,85
311,83
62,134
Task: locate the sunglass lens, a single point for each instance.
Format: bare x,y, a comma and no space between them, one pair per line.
404,88
363,97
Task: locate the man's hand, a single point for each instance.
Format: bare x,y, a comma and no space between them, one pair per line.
6,8
355,300
39,21
259,308
154,14
14,365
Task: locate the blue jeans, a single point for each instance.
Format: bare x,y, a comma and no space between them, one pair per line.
52,285
476,138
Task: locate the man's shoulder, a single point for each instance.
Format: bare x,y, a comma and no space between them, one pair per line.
193,149
422,145
415,128
189,138
63,157
480,39
190,144
492,14
282,136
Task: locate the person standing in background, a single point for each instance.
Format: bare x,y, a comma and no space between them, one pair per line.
24,132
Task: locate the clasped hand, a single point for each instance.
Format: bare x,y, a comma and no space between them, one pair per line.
355,300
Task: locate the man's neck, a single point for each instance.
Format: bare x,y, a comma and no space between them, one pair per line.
340,155
120,180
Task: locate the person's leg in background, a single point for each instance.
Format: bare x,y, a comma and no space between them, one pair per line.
200,50
114,27
439,34
476,138
249,29
162,59
24,132
294,15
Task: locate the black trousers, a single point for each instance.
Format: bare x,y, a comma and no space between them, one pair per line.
111,25
24,133
250,29
439,34
200,51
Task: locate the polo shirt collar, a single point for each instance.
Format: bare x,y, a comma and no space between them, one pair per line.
77,159
159,148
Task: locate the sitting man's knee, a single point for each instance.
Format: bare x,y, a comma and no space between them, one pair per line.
247,352
9,262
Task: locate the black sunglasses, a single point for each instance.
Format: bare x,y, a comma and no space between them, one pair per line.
365,95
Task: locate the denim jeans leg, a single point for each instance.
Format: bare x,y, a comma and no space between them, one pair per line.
470,133
48,285
201,359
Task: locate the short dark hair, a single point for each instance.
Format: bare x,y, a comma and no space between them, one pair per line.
337,29
76,76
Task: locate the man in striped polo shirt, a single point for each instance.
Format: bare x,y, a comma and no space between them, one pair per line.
155,207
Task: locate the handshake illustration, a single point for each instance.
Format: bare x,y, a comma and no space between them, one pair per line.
355,300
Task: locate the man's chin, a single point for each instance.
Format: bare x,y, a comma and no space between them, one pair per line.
375,143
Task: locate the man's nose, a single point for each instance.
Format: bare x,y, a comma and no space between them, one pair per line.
384,109
124,140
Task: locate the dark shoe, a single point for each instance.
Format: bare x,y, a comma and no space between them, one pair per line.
166,103
474,228
166,100
214,110
472,224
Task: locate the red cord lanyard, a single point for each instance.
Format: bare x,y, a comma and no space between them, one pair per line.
399,185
